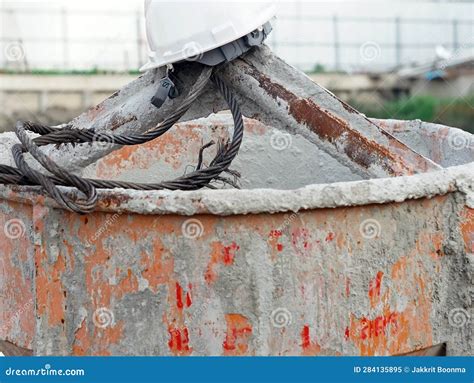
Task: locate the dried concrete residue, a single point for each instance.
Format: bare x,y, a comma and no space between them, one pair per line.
267,158
328,279
439,144
230,202
6,143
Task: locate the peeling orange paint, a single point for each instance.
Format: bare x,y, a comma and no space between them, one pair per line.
239,330
168,148
16,288
82,344
104,338
157,267
391,332
49,290
220,254
139,254
467,229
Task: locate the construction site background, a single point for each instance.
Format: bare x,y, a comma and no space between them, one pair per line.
355,49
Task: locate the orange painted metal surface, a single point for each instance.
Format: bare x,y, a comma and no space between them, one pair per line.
467,229
16,275
319,265
372,279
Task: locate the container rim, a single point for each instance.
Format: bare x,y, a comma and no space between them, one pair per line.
268,201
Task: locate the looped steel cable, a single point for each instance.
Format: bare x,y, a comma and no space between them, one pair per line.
201,177
64,136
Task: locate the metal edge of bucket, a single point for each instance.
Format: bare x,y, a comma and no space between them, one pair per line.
255,201
314,196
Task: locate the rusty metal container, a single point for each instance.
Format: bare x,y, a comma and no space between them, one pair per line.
306,259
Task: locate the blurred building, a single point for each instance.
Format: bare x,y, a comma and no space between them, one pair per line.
351,36
390,49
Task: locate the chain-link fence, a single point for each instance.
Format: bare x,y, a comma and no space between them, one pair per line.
115,40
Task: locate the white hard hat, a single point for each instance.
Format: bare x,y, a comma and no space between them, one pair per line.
186,30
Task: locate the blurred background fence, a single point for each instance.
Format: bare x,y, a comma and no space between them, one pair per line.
391,59
114,40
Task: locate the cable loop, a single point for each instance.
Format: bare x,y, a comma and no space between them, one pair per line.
201,177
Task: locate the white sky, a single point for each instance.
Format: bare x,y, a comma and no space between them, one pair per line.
134,4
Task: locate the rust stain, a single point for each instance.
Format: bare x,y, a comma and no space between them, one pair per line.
436,239
330,237
117,121
114,200
359,149
95,111
104,338
332,129
255,127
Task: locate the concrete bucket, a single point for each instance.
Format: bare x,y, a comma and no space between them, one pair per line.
307,259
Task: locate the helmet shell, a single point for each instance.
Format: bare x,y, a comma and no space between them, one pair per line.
184,30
